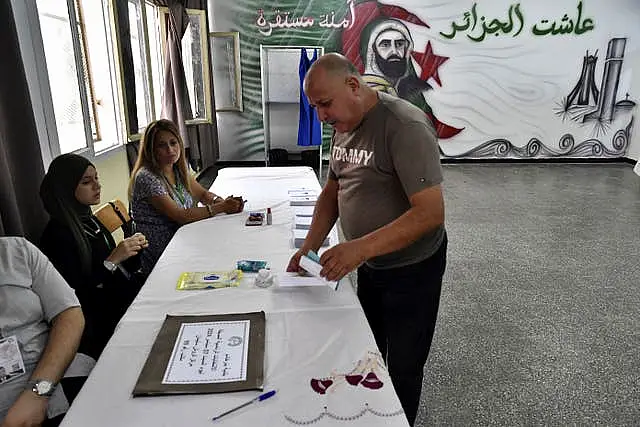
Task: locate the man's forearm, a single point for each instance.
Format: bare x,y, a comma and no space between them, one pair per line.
324,217
61,348
400,233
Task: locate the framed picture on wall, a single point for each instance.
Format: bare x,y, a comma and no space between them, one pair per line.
225,63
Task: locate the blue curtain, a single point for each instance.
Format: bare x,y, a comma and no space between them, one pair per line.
309,132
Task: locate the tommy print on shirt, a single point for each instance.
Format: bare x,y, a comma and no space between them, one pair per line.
352,155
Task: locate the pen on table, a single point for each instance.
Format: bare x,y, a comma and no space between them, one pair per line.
260,398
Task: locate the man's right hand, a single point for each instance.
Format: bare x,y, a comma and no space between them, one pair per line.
29,410
294,262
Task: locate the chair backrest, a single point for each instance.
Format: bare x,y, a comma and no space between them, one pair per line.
113,215
132,153
278,157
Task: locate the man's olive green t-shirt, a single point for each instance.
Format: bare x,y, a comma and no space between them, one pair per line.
390,156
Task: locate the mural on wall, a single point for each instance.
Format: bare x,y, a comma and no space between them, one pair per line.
380,45
497,79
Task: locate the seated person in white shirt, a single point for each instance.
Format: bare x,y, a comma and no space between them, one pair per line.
41,313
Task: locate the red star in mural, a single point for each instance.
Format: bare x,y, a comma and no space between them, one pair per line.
429,63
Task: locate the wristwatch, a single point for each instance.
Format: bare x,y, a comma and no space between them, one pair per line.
110,266
42,388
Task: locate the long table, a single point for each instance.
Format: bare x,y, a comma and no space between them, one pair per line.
320,354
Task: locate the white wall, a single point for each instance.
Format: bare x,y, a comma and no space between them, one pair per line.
634,147
504,93
230,123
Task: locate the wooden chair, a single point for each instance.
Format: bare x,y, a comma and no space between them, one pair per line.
113,215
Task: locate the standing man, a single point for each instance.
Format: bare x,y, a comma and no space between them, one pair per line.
384,183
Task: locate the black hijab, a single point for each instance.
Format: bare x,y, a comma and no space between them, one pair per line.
59,186
57,192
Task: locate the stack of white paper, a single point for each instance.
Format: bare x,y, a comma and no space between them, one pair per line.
302,222
294,280
303,210
302,200
302,192
299,235
302,197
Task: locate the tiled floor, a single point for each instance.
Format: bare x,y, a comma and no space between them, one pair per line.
539,320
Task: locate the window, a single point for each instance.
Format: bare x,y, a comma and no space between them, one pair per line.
105,65
155,56
63,74
78,45
101,75
145,86
195,60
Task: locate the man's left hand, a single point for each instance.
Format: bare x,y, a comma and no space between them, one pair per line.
342,259
29,410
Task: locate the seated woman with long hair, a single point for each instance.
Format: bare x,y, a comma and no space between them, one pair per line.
102,273
164,195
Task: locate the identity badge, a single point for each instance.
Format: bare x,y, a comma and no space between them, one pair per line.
11,363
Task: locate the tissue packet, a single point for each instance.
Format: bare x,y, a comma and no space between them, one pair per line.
208,280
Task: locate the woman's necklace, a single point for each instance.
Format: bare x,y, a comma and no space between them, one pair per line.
176,189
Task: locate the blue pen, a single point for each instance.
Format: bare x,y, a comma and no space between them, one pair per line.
263,396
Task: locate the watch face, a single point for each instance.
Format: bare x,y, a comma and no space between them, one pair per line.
43,387
109,265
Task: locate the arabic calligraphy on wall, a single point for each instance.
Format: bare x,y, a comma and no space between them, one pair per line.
478,27
281,19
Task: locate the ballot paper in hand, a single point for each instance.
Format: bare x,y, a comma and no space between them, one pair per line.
314,268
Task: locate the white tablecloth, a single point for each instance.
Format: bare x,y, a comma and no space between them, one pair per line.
314,336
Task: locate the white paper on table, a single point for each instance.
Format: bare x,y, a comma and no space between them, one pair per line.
303,200
302,192
209,352
303,222
303,210
294,280
300,234
314,269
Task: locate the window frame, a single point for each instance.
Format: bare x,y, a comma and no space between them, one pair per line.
80,48
204,43
148,77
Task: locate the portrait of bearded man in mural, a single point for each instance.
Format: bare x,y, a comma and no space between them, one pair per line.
385,47
380,46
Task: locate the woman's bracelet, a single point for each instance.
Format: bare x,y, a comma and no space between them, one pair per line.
210,210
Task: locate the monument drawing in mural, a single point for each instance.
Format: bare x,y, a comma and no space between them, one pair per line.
380,45
586,102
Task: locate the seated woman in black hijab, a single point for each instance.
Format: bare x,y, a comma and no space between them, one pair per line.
102,273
